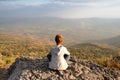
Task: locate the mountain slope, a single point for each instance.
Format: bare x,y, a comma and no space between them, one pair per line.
115,41
93,51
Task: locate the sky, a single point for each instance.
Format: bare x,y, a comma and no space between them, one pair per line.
60,8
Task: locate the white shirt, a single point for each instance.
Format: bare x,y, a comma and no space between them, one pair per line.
57,60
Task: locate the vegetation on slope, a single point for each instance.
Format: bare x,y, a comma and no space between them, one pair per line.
101,54
112,41
13,46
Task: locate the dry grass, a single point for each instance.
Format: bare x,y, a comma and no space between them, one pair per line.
108,62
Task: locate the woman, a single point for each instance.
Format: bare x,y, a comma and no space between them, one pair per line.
58,55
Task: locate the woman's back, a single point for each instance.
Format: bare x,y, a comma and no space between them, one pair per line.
56,55
58,61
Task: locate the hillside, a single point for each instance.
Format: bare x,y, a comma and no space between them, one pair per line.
115,41
93,50
32,46
14,45
101,54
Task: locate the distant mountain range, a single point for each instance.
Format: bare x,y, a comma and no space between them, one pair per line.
73,30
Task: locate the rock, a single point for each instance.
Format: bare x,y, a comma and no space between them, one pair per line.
72,77
37,69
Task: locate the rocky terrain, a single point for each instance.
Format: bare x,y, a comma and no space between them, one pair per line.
37,69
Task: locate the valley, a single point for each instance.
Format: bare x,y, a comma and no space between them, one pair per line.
91,39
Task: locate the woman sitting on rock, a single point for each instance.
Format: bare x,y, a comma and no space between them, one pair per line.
58,55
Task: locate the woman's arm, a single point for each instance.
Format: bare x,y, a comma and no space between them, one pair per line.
49,57
67,55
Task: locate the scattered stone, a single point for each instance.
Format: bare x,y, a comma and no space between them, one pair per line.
37,69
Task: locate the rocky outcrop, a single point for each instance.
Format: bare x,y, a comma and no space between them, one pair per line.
37,69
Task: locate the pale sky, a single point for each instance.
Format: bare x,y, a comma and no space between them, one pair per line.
60,8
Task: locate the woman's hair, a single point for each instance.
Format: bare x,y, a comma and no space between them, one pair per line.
58,39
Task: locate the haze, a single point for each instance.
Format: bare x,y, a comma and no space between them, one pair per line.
60,8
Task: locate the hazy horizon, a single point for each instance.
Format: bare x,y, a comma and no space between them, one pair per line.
60,8
74,30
